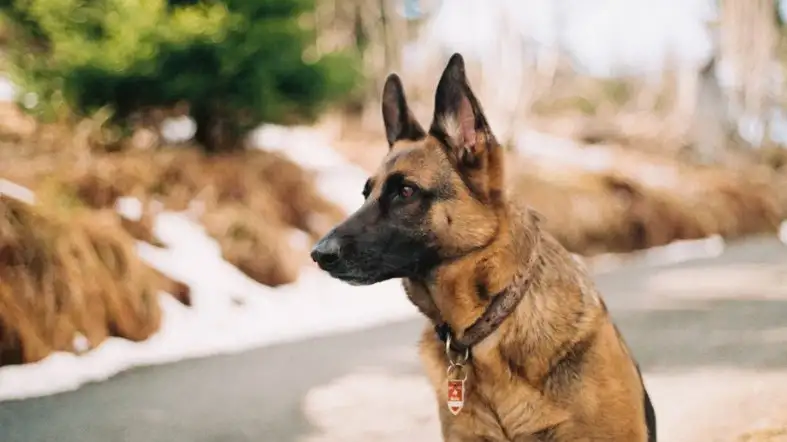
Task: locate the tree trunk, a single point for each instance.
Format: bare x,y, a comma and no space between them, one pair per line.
217,132
711,124
748,49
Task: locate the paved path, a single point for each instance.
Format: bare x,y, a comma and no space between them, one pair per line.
711,337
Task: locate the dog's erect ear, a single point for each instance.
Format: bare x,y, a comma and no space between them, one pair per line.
400,124
459,122
458,117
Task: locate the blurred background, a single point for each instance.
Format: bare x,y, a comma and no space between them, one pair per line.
165,167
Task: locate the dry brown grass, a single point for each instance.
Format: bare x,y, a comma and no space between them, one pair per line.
65,273
253,201
258,248
594,212
774,157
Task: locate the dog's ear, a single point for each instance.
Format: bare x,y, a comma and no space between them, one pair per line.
459,122
400,124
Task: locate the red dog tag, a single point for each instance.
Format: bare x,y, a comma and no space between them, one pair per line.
456,395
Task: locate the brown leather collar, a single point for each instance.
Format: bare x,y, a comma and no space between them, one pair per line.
501,307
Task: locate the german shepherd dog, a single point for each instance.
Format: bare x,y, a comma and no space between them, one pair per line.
520,346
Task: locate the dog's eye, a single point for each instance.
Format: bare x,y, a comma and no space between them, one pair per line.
406,192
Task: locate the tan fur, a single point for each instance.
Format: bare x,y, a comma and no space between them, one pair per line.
557,368
515,388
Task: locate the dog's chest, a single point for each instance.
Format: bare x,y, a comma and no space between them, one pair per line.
499,409
499,405
521,411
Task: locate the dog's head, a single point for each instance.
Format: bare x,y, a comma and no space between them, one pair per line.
436,196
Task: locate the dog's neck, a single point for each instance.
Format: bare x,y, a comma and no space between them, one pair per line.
460,292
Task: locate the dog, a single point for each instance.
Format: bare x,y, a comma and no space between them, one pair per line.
521,346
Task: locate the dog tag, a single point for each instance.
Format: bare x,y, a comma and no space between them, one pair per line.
456,395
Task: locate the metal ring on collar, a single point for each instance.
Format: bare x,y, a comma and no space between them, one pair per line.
448,352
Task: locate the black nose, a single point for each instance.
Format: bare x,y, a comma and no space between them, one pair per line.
327,252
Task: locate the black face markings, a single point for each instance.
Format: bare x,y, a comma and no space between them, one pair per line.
388,237
399,190
380,243
393,183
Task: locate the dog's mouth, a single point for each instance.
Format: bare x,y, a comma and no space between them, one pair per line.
372,269
354,273
354,279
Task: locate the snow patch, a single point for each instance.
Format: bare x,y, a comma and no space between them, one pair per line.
299,240
677,252
16,191
81,344
8,90
178,129
129,208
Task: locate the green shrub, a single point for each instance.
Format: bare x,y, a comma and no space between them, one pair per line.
235,62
